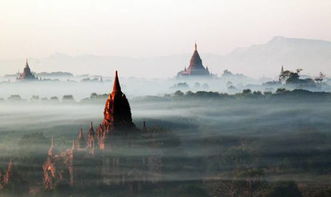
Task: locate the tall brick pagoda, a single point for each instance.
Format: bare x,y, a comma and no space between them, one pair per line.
117,112
94,156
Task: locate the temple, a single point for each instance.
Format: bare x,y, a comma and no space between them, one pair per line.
117,113
27,74
10,179
94,155
196,67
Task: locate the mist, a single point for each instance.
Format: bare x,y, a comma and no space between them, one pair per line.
247,116
192,122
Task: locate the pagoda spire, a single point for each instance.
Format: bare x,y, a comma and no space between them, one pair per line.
26,62
52,142
9,174
91,130
81,134
73,147
51,150
116,87
81,140
195,46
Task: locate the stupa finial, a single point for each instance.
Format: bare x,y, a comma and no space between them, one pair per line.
116,87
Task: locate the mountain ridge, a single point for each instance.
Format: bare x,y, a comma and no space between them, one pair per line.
266,59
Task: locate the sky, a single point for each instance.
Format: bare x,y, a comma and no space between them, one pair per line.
144,28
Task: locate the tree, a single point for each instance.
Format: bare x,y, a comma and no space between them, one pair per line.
179,93
284,189
247,92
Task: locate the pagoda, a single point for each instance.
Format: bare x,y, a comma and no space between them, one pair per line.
196,67
97,150
27,74
117,112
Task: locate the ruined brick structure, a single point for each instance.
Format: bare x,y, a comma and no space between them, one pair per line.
10,179
117,117
95,158
57,169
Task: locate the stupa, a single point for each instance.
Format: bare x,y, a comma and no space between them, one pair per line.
117,112
196,67
27,74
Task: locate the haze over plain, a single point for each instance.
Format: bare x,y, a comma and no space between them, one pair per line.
152,29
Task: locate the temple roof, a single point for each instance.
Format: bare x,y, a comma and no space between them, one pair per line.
195,62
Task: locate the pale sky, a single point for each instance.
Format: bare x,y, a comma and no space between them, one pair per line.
39,28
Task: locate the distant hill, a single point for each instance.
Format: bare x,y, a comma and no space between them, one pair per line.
311,55
260,60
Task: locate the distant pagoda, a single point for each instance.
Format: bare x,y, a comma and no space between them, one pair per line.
195,68
27,74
